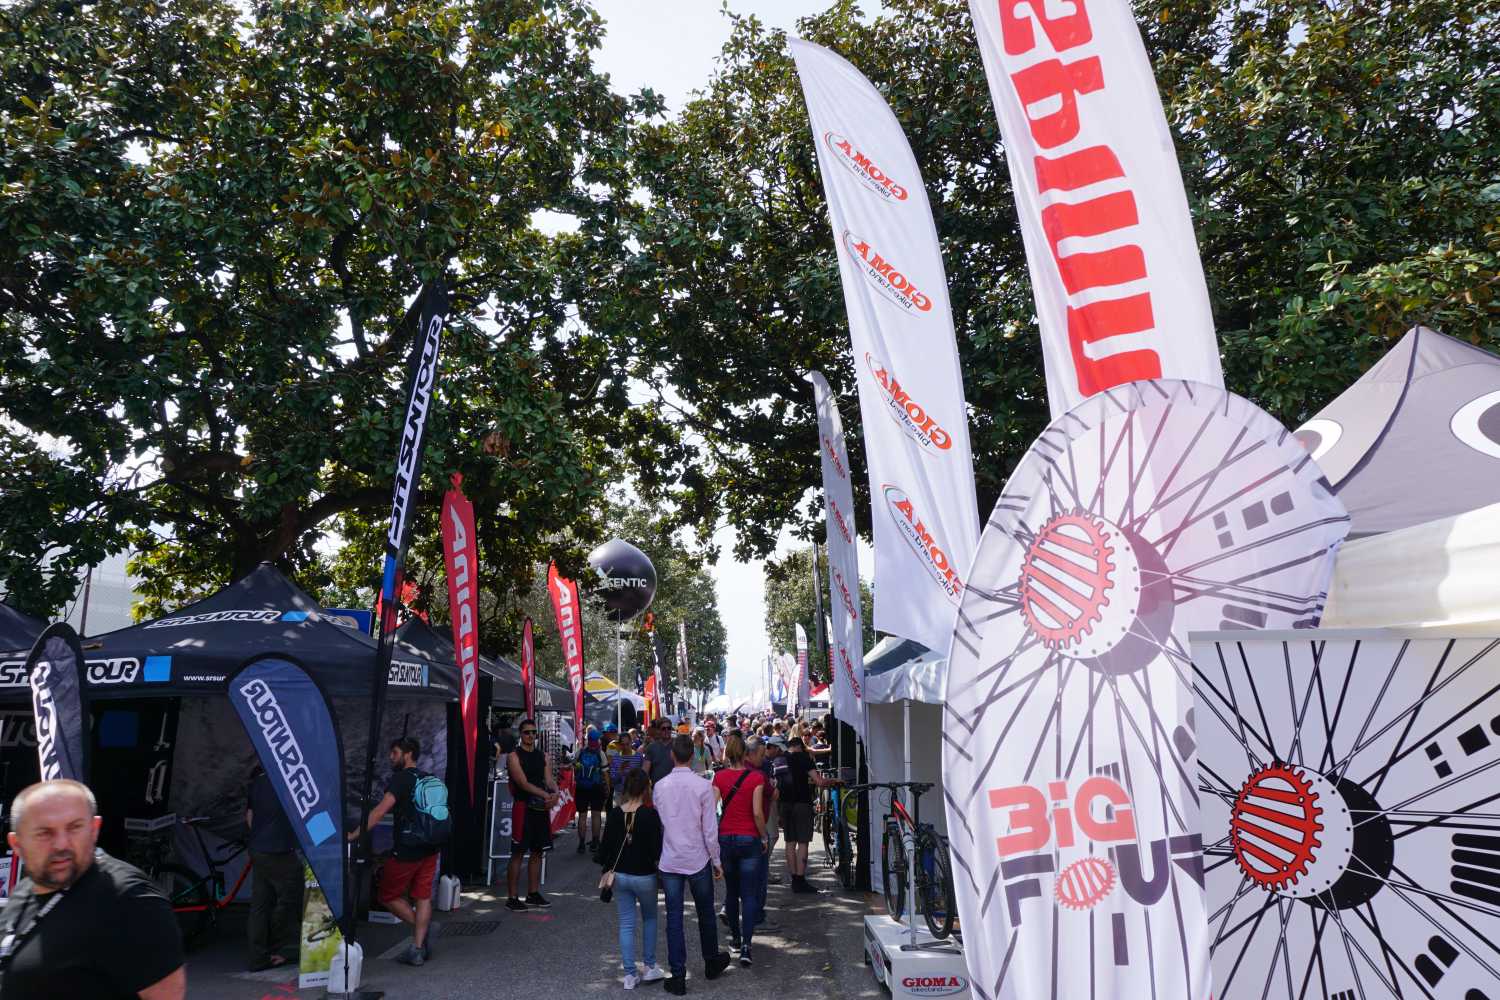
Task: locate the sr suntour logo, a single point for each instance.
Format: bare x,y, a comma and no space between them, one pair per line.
919,537
833,457
934,986
122,670
45,710
849,156
13,673
412,433
911,416
219,616
267,713
407,674
883,274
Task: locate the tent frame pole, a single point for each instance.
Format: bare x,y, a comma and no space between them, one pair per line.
911,853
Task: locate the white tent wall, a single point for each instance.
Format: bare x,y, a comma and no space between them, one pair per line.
1442,573
885,747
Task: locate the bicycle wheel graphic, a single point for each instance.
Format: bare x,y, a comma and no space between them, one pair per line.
1349,801
1148,511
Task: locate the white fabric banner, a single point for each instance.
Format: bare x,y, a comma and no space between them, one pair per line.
911,395
1148,512
846,633
1114,265
802,692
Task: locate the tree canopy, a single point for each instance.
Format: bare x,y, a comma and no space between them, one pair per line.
218,216
790,602
1341,163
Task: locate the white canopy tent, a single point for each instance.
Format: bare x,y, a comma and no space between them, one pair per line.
904,717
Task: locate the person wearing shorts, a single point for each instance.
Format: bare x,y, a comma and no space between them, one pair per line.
409,872
797,811
535,794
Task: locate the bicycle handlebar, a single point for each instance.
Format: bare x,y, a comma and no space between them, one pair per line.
917,787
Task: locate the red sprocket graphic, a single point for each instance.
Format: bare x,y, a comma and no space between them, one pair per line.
1085,883
1274,826
1066,579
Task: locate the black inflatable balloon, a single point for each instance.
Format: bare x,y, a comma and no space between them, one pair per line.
625,580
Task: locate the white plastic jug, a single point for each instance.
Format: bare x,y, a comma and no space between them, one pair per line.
449,893
354,956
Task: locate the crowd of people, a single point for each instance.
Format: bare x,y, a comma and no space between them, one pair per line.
687,807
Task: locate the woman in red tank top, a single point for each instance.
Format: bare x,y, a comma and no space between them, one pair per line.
740,791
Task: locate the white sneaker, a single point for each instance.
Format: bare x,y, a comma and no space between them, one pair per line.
653,974
631,980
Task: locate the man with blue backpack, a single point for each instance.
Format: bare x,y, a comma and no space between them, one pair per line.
422,827
591,789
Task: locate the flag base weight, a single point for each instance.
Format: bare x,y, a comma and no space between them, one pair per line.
896,961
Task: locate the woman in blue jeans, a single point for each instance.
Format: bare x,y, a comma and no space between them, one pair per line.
740,791
631,849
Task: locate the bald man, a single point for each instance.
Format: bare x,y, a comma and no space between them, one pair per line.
81,924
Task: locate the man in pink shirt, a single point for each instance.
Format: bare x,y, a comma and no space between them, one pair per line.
689,862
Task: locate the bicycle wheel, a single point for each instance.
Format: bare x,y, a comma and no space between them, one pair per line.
935,886
893,871
830,839
190,898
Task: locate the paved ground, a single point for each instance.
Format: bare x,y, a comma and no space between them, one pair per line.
485,951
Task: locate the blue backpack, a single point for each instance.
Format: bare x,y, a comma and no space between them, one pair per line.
590,769
427,824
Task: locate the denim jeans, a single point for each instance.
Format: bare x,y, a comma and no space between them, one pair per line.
630,891
744,877
674,887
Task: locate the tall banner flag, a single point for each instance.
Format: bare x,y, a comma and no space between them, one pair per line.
528,667
55,671
569,617
1114,265
1073,799
461,559
661,687
653,703
846,655
421,390
296,738
911,396
682,658
801,696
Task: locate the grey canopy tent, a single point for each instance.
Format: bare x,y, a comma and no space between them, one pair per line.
1416,438
504,675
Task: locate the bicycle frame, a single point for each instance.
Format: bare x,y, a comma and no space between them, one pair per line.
215,876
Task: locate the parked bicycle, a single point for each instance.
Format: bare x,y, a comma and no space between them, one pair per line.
195,898
838,821
903,832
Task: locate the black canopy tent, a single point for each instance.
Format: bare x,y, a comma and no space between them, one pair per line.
18,630
504,676
166,739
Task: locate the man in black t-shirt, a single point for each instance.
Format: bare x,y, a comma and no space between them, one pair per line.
797,811
410,869
276,893
81,925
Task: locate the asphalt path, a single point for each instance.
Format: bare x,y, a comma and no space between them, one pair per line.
483,950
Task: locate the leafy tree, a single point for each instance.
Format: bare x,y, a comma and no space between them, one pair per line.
217,218
1341,161
790,602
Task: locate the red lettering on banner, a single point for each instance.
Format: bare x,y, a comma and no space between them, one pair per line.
1099,321
1032,826
1052,79
1048,92
1076,170
1094,218
1063,32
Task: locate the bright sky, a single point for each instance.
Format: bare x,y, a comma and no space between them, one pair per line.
671,46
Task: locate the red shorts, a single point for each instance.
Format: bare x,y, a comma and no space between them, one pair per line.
407,878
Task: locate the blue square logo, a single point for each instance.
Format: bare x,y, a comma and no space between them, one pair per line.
158,669
320,828
294,616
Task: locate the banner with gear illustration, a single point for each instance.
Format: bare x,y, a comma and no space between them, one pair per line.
1147,512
